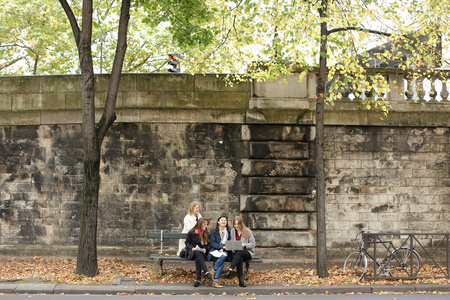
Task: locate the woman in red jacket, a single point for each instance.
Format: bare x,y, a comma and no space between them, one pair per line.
197,241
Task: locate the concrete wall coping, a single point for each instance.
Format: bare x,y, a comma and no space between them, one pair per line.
184,98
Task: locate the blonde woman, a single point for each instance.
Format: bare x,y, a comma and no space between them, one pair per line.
240,232
193,214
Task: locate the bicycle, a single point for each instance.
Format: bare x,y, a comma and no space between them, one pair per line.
397,262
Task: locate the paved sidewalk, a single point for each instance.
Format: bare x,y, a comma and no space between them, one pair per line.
187,289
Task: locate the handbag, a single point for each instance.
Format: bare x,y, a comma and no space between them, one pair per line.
184,253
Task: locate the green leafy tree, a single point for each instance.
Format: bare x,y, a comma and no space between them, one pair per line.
34,38
263,39
189,15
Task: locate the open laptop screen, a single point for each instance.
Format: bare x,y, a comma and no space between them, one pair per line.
233,245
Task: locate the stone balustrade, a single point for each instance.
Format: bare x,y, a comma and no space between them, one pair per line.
403,86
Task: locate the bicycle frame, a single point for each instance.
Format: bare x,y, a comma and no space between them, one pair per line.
396,261
436,254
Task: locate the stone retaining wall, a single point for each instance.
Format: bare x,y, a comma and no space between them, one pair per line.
237,150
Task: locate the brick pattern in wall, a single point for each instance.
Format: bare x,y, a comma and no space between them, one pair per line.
385,179
378,178
149,175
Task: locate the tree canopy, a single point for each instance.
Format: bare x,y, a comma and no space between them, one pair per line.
36,39
218,36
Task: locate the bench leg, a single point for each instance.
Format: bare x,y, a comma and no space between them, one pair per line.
247,265
161,262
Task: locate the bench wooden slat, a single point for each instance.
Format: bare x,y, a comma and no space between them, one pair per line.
166,257
176,257
174,235
166,235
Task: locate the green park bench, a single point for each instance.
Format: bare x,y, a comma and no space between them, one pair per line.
161,257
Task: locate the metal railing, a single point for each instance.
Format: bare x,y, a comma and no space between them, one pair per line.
407,255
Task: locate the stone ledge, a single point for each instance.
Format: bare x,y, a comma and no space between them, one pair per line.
285,238
278,168
278,221
278,185
277,203
20,118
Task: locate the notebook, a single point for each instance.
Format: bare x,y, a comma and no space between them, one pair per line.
233,245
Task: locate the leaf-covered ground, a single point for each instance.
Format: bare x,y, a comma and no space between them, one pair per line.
63,271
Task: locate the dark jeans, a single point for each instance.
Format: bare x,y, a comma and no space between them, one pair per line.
238,258
199,264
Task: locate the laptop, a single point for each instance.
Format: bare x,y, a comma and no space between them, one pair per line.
233,245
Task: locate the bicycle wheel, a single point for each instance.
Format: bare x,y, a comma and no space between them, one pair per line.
356,263
402,260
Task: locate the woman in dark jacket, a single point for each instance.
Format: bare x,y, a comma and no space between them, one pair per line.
218,253
197,242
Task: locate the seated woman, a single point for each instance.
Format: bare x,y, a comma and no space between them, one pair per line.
240,232
218,236
197,242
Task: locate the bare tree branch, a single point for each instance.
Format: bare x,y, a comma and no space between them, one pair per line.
10,63
109,115
353,28
227,34
72,20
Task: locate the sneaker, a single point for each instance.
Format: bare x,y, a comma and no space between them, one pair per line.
196,283
208,275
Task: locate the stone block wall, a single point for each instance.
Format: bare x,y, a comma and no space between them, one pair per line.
151,172
386,179
236,150
149,175
276,193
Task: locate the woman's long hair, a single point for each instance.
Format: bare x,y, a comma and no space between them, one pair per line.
217,230
204,237
191,207
244,229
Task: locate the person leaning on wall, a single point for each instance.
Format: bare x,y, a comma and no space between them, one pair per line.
197,243
240,232
193,214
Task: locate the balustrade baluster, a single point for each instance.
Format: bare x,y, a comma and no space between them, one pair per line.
346,92
369,93
433,92
409,89
444,92
420,89
381,93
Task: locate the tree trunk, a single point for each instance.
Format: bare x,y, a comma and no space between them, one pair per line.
321,255
87,247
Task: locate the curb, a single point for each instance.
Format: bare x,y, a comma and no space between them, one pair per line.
187,289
